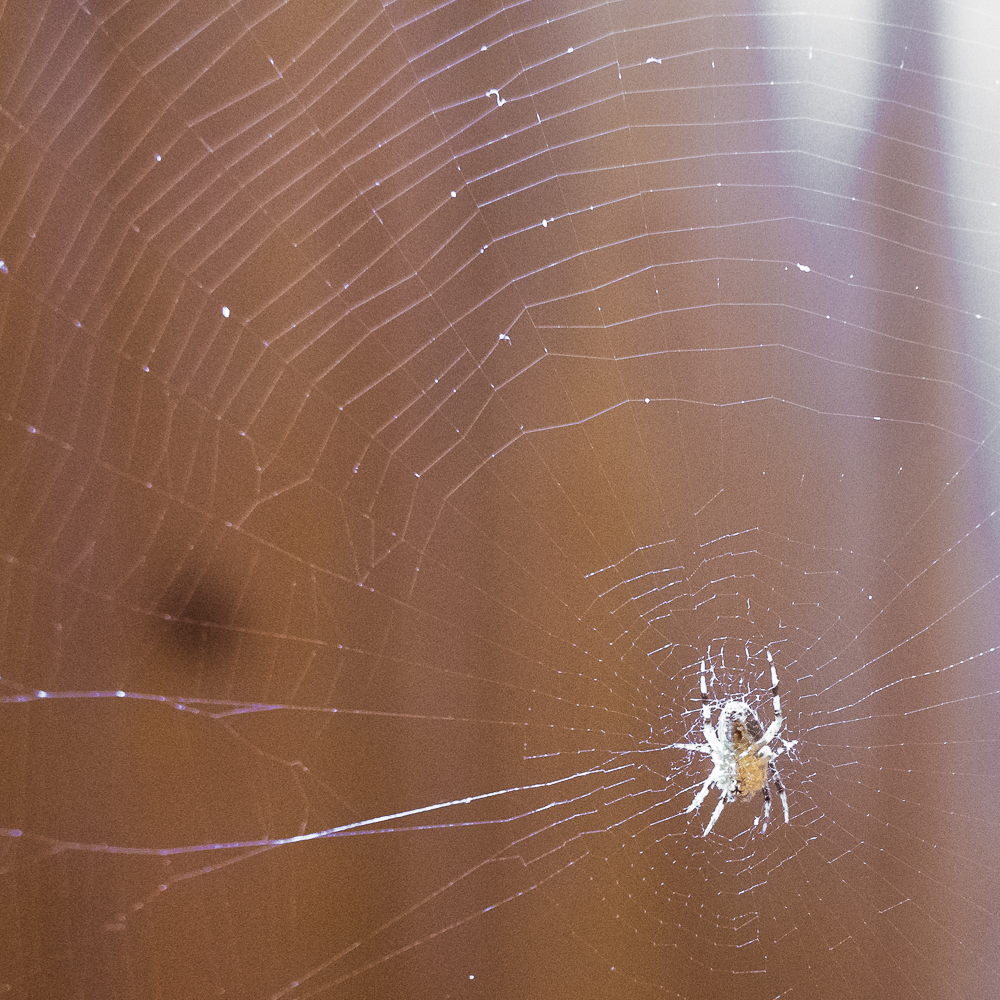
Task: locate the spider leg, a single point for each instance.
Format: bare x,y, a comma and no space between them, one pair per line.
715,815
775,727
706,716
781,788
703,794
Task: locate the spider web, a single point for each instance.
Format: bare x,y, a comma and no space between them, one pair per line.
401,401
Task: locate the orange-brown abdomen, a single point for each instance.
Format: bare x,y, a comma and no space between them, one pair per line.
751,768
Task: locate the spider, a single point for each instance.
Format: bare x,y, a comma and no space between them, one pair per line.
741,753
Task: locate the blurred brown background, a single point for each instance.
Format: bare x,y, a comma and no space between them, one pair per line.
399,401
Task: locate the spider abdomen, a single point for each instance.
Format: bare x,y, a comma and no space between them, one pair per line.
751,766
